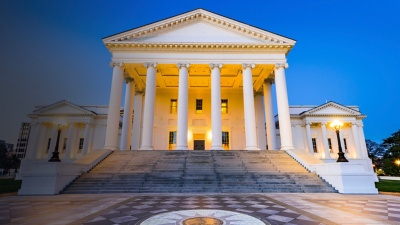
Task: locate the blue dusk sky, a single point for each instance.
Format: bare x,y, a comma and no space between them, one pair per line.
347,51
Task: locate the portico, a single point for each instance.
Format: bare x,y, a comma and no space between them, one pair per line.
203,61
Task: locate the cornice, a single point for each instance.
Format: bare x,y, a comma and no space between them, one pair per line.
139,46
331,115
63,115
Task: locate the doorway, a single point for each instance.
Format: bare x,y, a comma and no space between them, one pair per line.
199,145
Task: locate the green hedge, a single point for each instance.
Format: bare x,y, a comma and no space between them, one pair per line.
9,185
388,185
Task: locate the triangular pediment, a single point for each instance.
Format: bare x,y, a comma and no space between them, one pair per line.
198,26
200,32
331,108
62,108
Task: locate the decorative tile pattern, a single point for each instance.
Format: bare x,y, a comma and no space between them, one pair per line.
226,217
257,206
276,208
379,209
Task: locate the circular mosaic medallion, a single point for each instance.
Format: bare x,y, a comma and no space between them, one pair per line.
203,217
203,221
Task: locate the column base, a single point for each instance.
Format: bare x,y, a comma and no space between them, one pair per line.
110,148
181,148
217,148
146,148
251,148
289,148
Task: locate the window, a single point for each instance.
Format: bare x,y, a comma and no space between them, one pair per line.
224,106
172,140
225,140
64,145
345,145
174,105
48,145
330,145
199,105
314,144
81,140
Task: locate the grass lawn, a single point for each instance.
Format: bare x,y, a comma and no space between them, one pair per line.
388,185
9,185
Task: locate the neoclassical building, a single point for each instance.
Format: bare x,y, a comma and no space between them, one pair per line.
197,81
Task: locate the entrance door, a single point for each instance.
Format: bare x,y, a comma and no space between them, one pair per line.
199,145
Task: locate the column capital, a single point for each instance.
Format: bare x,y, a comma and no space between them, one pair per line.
279,65
246,65
114,64
324,123
215,65
150,64
307,123
129,79
269,81
180,65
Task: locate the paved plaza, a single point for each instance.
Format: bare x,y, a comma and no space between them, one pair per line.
168,209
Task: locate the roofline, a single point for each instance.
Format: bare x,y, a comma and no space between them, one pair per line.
193,11
328,103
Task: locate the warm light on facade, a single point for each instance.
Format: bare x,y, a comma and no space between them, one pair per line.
209,135
336,124
189,135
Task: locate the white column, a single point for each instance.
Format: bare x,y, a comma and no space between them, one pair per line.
249,112
181,133
149,101
362,141
309,141
52,142
113,117
260,121
34,145
41,142
86,139
137,121
285,127
126,133
70,142
269,115
325,141
357,144
342,141
216,124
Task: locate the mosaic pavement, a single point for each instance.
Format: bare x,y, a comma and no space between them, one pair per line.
136,209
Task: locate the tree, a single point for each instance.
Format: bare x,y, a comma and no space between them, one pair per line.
392,154
375,150
375,153
3,157
8,160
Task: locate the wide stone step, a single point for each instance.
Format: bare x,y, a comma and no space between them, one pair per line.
198,172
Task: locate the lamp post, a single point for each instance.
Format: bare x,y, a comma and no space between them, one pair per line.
398,165
55,157
337,125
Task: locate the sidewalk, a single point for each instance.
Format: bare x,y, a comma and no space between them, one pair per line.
274,208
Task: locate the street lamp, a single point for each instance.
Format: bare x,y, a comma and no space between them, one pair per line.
55,157
398,164
336,124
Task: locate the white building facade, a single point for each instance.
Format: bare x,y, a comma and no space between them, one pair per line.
198,81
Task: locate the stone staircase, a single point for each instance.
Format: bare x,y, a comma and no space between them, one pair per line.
198,172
